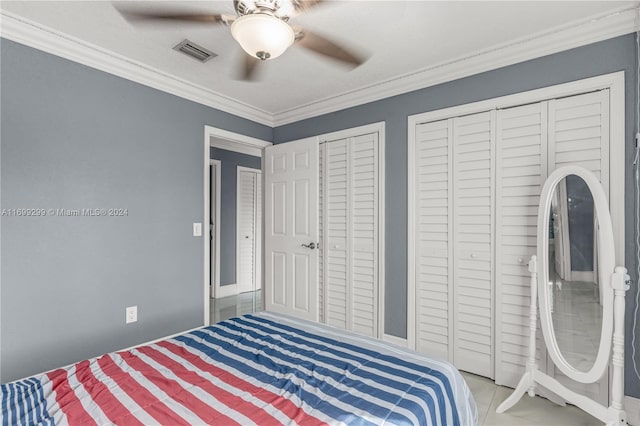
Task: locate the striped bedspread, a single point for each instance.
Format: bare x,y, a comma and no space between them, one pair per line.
261,369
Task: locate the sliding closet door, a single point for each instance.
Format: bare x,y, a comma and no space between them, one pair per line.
521,165
579,135
350,224
473,210
433,239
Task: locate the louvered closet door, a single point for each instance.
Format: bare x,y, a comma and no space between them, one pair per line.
579,135
335,233
350,213
473,143
247,230
321,249
433,242
363,265
521,157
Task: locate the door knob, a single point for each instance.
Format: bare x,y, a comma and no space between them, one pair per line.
310,245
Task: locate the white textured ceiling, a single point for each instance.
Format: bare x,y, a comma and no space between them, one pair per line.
402,37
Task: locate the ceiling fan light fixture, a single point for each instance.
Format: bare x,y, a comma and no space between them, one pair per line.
262,36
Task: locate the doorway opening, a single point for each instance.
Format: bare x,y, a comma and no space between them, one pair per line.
216,282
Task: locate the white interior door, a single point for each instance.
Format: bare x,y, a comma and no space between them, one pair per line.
248,268
291,228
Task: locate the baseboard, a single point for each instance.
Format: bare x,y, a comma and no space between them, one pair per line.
226,291
632,407
586,276
400,341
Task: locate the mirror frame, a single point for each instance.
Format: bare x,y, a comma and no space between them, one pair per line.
606,265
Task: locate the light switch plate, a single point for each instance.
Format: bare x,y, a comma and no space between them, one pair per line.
131,314
197,229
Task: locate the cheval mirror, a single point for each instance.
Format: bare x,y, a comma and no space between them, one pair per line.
581,296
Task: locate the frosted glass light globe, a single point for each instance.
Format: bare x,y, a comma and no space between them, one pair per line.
262,36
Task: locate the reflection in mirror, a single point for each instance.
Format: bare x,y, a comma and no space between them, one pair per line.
575,294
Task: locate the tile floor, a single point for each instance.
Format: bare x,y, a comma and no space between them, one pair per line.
243,303
528,411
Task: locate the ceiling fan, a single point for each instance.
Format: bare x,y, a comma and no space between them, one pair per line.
262,29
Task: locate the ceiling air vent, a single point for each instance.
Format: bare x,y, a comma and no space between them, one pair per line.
199,53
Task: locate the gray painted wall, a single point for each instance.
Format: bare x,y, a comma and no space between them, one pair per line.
73,137
618,54
230,161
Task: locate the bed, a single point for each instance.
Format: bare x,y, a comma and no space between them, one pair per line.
257,369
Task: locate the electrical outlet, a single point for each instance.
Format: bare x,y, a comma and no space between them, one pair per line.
131,314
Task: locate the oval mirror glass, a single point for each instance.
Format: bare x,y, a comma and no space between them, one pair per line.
574,293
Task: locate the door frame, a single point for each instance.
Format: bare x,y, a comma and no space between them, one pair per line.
257,232
216,232
219,138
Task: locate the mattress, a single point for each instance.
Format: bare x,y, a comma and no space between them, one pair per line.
258,369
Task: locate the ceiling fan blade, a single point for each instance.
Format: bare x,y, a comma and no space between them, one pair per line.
326,47
148,17
248,72
301,6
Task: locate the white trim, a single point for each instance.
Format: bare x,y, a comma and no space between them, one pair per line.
614,82
227,290
395,340
382,258
235,142
412,122
632,407
608,25
209,133
258,172
21,30
380,129
353,132
574,34
617,162
586,276
216,278
206,199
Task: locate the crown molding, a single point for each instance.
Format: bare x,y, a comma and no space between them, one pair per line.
24,31
575,34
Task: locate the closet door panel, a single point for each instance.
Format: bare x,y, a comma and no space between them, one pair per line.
364,241
434,298
335,186
321,249
520,173
473,141
247,231
579,135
